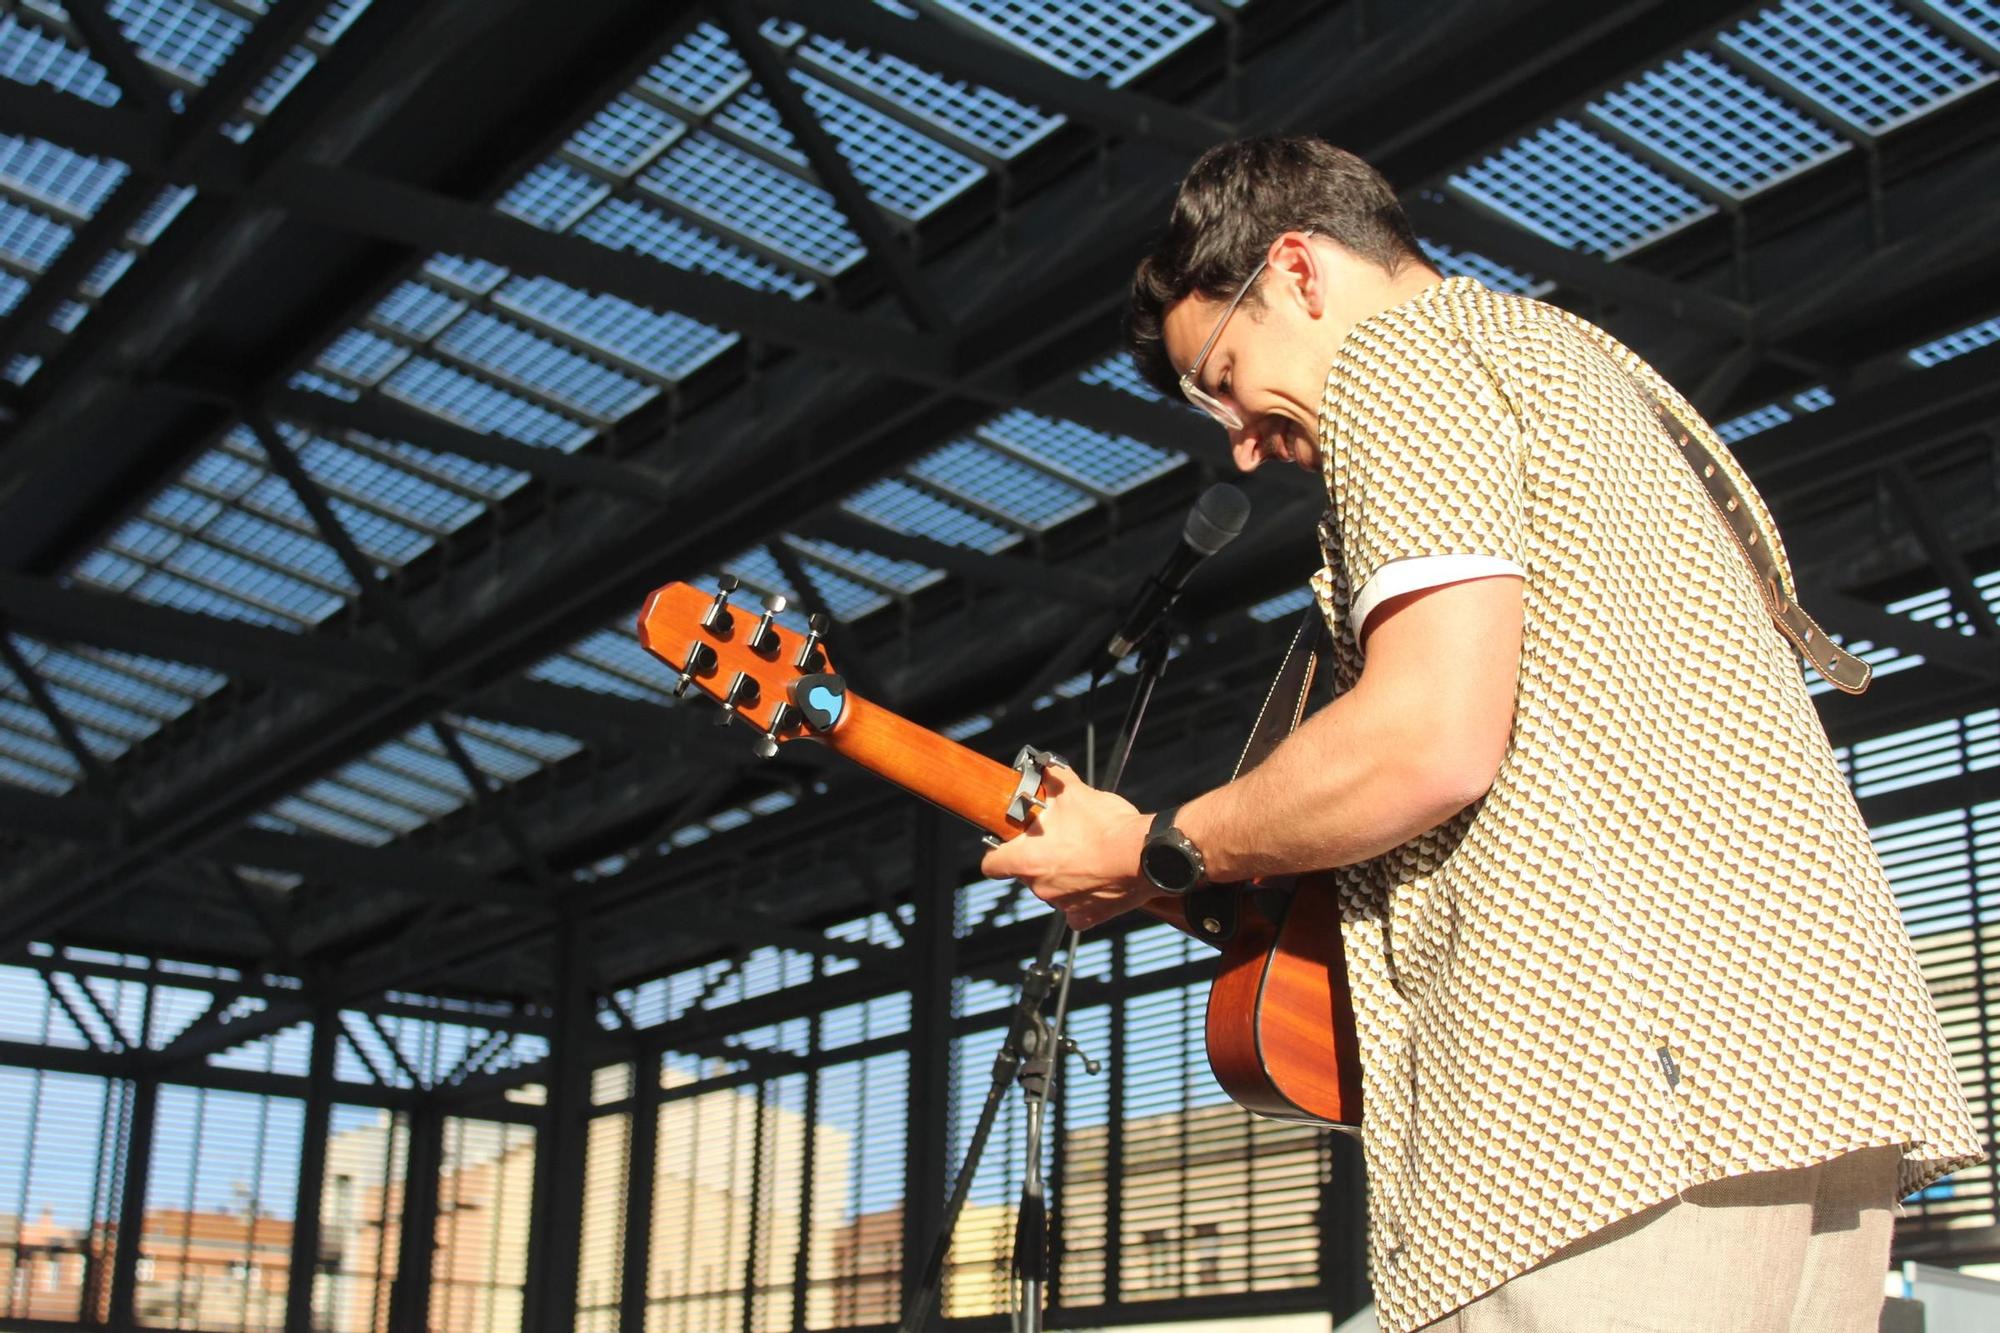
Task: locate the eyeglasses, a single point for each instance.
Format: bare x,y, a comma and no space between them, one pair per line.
1194,393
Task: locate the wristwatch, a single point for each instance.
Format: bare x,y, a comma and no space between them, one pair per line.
1170,861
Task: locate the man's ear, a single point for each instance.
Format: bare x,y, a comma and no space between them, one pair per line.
1295,265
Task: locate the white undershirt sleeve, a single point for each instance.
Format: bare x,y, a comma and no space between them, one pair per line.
1415,573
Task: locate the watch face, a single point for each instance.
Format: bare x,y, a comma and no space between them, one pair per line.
1168,866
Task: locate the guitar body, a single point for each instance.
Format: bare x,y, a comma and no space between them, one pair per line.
1280,1020
1280,1016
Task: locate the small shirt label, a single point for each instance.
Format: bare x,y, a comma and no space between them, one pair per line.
1669,1068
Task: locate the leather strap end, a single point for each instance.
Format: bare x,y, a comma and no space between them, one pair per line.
1838,667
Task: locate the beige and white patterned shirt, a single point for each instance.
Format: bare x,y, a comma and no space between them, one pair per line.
1661,950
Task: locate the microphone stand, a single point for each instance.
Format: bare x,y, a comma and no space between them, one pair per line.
1031,1053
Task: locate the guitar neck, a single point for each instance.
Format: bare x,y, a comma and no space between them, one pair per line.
948,775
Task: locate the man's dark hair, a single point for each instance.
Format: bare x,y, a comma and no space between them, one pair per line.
1237,199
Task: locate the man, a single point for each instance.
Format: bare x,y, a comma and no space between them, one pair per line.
1645,1044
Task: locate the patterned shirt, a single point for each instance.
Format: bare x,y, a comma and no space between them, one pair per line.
1661,949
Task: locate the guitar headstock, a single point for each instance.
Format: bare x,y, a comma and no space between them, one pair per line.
743,659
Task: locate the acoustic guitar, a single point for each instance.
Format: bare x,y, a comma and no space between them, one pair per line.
1280,1028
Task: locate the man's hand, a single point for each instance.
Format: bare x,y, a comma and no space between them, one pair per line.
1080,854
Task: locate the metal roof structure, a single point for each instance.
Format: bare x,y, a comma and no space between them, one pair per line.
362,365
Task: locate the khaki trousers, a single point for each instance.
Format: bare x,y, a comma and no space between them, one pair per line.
1801,1251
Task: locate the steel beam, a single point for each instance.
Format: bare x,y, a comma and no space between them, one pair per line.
427,221
892,260
117,55
135,1172
379,601
306,1215
549,1302
95,775
974,566
934,963
1464,225
373,414
83,615
423,875
935,46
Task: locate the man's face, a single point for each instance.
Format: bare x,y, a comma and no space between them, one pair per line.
1268,364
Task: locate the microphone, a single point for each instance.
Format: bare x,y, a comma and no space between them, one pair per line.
1215,521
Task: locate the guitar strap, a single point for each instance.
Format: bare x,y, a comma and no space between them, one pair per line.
1285,702
1840,668
1212,910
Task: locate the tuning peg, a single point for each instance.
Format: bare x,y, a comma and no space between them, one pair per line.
810,658
742,692
783,718
700,661
764,639
717,619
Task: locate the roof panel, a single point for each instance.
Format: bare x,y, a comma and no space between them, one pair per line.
231,538
30,55
1024,494
901,506
1867,59
544,368
552,196
1284,604
69,183
410,781
611,662
1094,458
424,508
474,275
160,213
287,598
159,691
416,309
1573,187
1958,343
1752,422
625,224
1705,117
1117,372
899,576
840,595
751,114
670,346
759,571
186,38
625,135
312,813
279,80
12,289
490,482
1981,16
361,357
107,272
456,396
700,72
1469,264
990,119
18,772
747,195
900,169
29,239
511,752
112,571
1116,40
